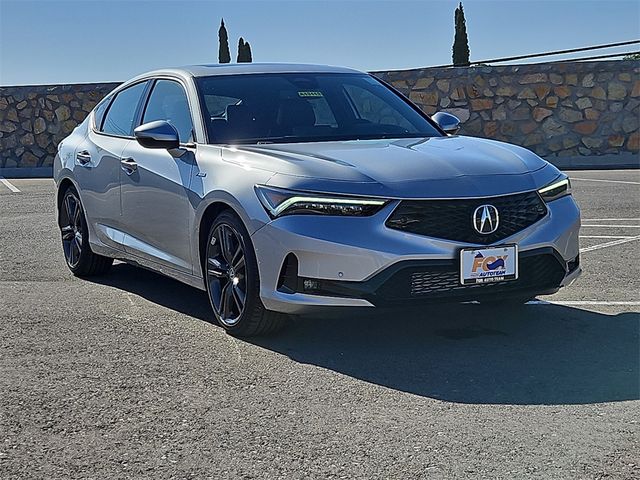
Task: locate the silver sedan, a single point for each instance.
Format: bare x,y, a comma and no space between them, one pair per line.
283,189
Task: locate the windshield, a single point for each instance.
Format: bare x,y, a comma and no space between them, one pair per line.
305,107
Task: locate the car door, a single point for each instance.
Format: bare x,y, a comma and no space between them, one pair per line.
98,162
155,183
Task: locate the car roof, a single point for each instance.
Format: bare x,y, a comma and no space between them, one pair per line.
249,68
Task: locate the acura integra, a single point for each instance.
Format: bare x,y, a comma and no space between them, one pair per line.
280,189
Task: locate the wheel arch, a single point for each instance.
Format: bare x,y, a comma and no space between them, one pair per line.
63,186
207,218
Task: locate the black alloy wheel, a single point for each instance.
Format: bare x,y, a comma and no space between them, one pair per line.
226,274
75,238
233,282
71,228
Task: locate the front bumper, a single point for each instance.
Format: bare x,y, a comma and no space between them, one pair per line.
359,262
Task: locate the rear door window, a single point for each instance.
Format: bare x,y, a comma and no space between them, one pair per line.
121,115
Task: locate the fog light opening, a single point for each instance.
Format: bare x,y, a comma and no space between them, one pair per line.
311,285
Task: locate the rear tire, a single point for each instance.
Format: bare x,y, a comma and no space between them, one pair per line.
232,280
75,238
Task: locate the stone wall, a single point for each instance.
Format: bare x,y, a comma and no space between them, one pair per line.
555,109
33,119
569,109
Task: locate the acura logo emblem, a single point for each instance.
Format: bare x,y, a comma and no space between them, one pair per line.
486,219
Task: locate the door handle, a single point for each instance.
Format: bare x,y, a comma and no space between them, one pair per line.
128,165
83,157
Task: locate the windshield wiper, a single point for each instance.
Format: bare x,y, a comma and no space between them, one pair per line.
265,140
333,138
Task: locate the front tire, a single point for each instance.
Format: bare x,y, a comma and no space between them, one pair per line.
233,282
75,238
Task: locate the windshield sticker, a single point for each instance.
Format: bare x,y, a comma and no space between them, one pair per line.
310,94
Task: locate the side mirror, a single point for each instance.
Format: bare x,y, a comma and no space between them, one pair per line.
158,134
447,122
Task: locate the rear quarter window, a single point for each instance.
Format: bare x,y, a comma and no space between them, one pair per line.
100,110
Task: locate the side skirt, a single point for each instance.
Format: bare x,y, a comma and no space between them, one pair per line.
132,259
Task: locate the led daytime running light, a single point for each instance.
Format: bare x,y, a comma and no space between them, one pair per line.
300,198
555,185
326,201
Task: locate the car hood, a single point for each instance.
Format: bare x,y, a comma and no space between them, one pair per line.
419,168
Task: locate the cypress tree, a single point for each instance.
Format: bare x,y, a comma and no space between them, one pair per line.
224,56
240,57
244,51
461,41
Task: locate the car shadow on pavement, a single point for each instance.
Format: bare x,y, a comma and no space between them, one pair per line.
158,289
531,355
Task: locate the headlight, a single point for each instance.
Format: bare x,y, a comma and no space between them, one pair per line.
279,202
560,187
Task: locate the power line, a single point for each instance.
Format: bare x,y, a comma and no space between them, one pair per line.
596,57
559,52
556,52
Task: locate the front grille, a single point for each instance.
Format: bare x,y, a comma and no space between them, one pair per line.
536,273
424,283
452,219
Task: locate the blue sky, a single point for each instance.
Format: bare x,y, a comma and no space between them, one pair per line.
90,40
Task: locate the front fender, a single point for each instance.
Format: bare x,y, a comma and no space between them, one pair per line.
224,186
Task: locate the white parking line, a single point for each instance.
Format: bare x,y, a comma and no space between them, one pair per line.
605,181
9,185
610,219
609,244
577,303
612,226
606,236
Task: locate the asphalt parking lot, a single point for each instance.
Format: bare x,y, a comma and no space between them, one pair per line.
124,376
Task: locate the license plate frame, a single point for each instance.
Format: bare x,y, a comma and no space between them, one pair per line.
475,273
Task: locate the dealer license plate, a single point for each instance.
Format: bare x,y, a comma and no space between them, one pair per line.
488,265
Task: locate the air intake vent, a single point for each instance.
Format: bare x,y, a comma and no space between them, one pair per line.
288,279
